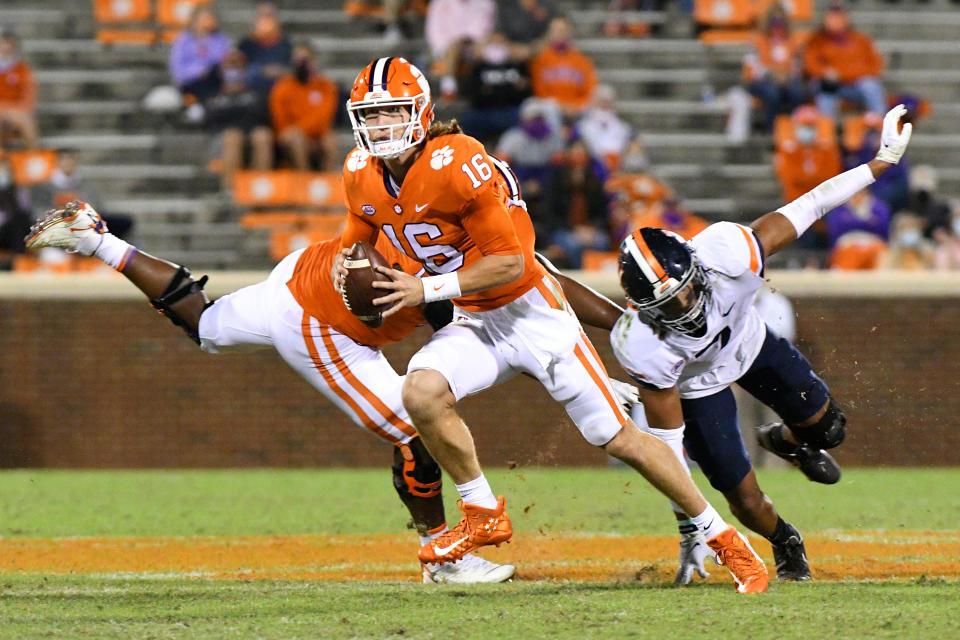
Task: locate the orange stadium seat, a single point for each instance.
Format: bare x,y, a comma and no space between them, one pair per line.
637,187
725,13
308,229
719,37
263,188
124,22
32,167
175,14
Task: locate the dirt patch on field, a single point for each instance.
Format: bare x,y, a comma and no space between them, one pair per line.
834,556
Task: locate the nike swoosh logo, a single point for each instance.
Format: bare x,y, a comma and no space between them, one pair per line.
438,287
724,315
420,207
442,551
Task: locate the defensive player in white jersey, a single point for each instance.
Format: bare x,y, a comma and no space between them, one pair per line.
691,330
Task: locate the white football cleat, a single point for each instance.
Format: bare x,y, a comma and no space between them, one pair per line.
77,227
467,570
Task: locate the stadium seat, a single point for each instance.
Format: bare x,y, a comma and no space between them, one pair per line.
174,15
124,22
32,167
306,231
724,13
720,37
637,187
286,188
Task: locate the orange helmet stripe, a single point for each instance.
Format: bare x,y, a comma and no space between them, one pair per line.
651,259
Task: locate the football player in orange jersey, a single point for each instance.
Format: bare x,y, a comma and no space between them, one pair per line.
297,311
433,192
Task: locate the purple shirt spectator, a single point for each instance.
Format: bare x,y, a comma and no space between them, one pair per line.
193,57
871,217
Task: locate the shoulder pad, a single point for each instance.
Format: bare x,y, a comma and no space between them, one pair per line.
642,354
729,248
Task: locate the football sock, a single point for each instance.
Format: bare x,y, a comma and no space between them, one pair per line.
782,533
673,438
433,534
111,249
478,492
710,523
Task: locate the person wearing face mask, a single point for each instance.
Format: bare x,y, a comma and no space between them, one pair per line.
497,85
604,133
240,116
843,64
196,53
561,72
17,91
805,159
908,249
772,71
303,105
266,48
858,232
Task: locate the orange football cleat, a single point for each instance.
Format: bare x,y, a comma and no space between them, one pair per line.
743,563
478,528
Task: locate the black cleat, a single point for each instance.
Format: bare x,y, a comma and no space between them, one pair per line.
791,558
816,464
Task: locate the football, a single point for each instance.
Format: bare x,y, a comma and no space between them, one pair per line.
358,291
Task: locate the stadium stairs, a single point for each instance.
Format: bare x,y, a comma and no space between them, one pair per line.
670,86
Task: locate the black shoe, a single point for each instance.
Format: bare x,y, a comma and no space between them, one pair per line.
791,559
816,464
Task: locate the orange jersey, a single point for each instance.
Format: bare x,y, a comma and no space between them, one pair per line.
453,208
312,287
852,56
567,77
312,106
17,89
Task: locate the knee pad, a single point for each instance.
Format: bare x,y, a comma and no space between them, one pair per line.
415,473
827,433
182,289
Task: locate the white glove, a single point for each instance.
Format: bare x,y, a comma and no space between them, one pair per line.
892,142
693,551
627,394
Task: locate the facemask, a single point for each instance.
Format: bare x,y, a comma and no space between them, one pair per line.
537,128
302,71
234,76
909,238
495,53
806,135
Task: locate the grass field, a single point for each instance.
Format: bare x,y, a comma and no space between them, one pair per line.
326,554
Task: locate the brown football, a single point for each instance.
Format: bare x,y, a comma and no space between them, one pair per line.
358,292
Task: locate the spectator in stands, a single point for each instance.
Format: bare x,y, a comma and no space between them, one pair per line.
622,24
669,214
452,26
581,214
240,115
533,148
562,73
15,217
858,233
388,12
908,249
303,105
772,72
196,53
843,64
524,23
605,134
805,160
947,243
17,92
266,48
924,202
892,186
497,85
69,182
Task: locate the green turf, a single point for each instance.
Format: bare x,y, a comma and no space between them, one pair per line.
77,607
154,503
36,504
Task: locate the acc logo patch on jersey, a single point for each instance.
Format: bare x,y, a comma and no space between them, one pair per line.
368,209
441,157
357,160
677,367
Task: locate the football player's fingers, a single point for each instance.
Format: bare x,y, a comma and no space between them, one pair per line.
905,134
389,299
386,284
392,310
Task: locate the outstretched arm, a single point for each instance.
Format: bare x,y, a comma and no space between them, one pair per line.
779,228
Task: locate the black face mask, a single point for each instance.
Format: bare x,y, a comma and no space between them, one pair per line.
302,71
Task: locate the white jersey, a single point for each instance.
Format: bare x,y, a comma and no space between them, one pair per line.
733,262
